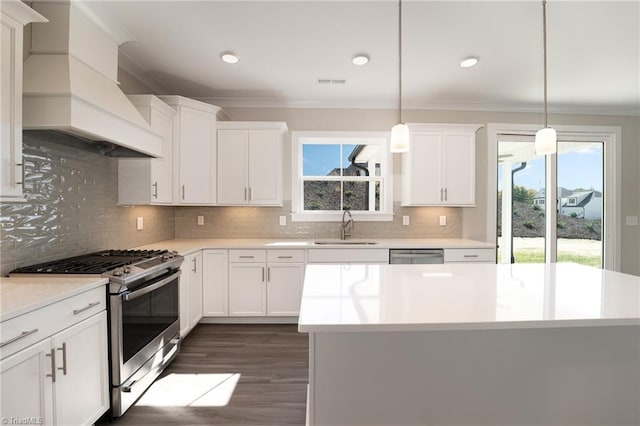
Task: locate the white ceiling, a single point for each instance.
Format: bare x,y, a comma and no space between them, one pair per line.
286,46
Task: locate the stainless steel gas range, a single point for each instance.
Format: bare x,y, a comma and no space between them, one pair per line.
144,317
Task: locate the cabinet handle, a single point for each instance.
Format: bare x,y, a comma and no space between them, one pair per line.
64,358
285,257
470,255
155,190
263,274
249,193
268,273
245,194
89,306
21,165
441,194
52,354
18,337
195,265
246,257
183,192
445,194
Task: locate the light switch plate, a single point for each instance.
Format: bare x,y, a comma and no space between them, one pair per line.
139,223
405,220
283,220
443,220
200,220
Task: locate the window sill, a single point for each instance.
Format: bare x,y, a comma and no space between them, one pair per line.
337,217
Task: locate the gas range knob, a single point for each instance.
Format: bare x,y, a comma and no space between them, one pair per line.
165,257
117,273
127,270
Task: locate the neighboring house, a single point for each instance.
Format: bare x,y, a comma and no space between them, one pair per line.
585,204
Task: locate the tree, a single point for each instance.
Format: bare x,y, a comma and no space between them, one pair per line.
522,194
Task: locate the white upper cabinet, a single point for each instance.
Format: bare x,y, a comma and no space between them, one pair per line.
14,16
149,180
194,131
439,169
250,163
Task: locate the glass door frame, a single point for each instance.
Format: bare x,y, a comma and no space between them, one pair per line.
611,137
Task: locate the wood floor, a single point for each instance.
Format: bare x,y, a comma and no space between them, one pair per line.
273,364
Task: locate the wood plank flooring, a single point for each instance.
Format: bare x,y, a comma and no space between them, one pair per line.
273,364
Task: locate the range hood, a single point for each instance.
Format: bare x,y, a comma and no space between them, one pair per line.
70,85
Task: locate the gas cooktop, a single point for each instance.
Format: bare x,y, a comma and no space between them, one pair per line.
92,263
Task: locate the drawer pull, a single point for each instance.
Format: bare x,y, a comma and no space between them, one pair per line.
470,255
285,257
64,358
247,257
52,354
89,306
18,337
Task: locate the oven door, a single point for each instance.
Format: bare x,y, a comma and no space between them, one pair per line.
143,323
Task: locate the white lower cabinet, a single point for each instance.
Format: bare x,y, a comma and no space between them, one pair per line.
215,283
62,379
467,255
190,292
265,282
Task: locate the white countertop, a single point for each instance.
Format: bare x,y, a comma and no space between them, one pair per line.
186,246
466,297
19,295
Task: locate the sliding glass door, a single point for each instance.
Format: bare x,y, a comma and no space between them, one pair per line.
550,208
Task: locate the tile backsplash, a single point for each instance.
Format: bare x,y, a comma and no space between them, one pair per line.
263,222
70,208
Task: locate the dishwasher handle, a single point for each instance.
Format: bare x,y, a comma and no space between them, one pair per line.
416,256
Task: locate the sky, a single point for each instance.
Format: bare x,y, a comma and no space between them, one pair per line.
580,169
319,160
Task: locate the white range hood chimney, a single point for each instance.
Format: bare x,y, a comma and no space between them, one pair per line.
70,85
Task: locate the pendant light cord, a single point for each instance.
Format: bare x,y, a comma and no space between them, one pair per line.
544,49
400,61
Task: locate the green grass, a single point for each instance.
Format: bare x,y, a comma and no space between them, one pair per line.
537,256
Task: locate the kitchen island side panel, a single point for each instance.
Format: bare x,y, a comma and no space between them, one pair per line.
553,376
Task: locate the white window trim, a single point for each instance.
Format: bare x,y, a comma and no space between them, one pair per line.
612,137
386,203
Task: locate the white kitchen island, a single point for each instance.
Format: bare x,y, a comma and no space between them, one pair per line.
471,345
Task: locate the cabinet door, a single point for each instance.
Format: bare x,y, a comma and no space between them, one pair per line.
284,288
459,169
185,295
11,109
161,184
26,389
421,170
82,375
233,150
265,167
215,283
247,292
195,299
196,157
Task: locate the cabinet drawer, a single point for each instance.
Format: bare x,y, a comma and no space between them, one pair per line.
350,255
238,256
45,322
469,255
295,256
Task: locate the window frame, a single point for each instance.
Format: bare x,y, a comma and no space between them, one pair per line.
298,138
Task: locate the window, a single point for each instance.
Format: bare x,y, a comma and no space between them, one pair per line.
572,201
336,171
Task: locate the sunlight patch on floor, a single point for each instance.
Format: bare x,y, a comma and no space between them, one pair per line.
191,390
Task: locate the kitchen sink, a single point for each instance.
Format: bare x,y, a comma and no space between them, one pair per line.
345,242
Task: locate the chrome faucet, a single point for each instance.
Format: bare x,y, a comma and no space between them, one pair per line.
347,227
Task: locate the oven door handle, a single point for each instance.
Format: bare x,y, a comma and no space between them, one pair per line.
134,295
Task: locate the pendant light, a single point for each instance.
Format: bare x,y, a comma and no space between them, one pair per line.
545,141
399,132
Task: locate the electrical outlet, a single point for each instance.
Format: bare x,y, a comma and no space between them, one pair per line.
443,220
405,220
283,220
200,220
139,223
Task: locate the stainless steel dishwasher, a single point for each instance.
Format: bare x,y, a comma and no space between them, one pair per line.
416,256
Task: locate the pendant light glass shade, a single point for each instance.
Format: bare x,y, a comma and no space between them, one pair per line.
545,142
399,138
546,138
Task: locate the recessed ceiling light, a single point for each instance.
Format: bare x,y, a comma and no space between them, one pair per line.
360,59
469,62
229,57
